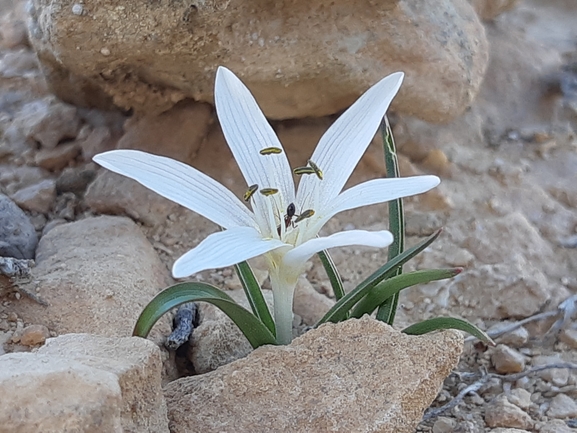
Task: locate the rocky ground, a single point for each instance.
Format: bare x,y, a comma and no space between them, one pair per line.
507,202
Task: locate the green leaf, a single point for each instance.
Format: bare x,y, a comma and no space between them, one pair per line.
437,323
254,295
333,274
388,310
390,287
250,325
339,311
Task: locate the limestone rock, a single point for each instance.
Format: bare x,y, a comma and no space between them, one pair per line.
176,133
48,121
111,193
17,235
491,9
562,406
501,413
96,275
335,378
38,197
299,60
83,383
57,158
507,360
310,304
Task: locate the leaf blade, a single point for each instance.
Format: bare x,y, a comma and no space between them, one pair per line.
250,325
438,323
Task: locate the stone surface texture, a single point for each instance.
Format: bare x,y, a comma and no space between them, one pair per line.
104,264
84,383
320,383
148,56
491,9
18,238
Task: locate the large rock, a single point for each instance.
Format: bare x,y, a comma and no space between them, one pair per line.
96,275
359,375
83,383
300,60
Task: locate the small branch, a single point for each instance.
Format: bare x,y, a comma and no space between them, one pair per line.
433,413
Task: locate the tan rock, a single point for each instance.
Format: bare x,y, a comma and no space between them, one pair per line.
520,397
34,335
84,383
57,158
507,360
562,406
300,60
38,197
556,426
569,337
557,376
509,430
335,378
96,275
111,193
176,133
501,413
310,304
491,9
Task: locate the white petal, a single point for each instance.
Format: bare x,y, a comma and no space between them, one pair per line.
341,147
305,251
247,132
223,249
180,183
380,191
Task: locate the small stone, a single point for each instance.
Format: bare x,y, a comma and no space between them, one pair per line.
557,376
501,413
48,121
520,397
555,426
38,197
562,406
444,425
516,338
57,158
437,163
34,335
507,360
18,237
105,51
75,180
13,31
569,337
508,430
77,9
94,141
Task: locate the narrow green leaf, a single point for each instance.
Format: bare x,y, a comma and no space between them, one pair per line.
339,311
333,274
250,325
437,323
392,286
254,295
388,309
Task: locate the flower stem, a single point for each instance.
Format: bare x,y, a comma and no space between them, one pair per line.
283,312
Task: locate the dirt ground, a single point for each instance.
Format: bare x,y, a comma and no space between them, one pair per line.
507,203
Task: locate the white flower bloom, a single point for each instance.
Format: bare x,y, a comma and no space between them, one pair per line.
270,228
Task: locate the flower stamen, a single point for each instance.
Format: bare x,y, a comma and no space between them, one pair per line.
270,151
268,191
304,170
306,214
250,192
317,170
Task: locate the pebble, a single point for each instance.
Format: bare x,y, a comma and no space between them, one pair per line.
38,197
444,425
516,338
557,376
501,413
57,158
520,397
555,426
74,180
569,337
18,237
34,335
562,406
507,360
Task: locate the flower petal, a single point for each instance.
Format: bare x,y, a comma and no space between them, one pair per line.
341,147
223,249
380,191
298,255
180,183
247,132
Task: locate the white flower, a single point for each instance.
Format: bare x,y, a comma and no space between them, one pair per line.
286,241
